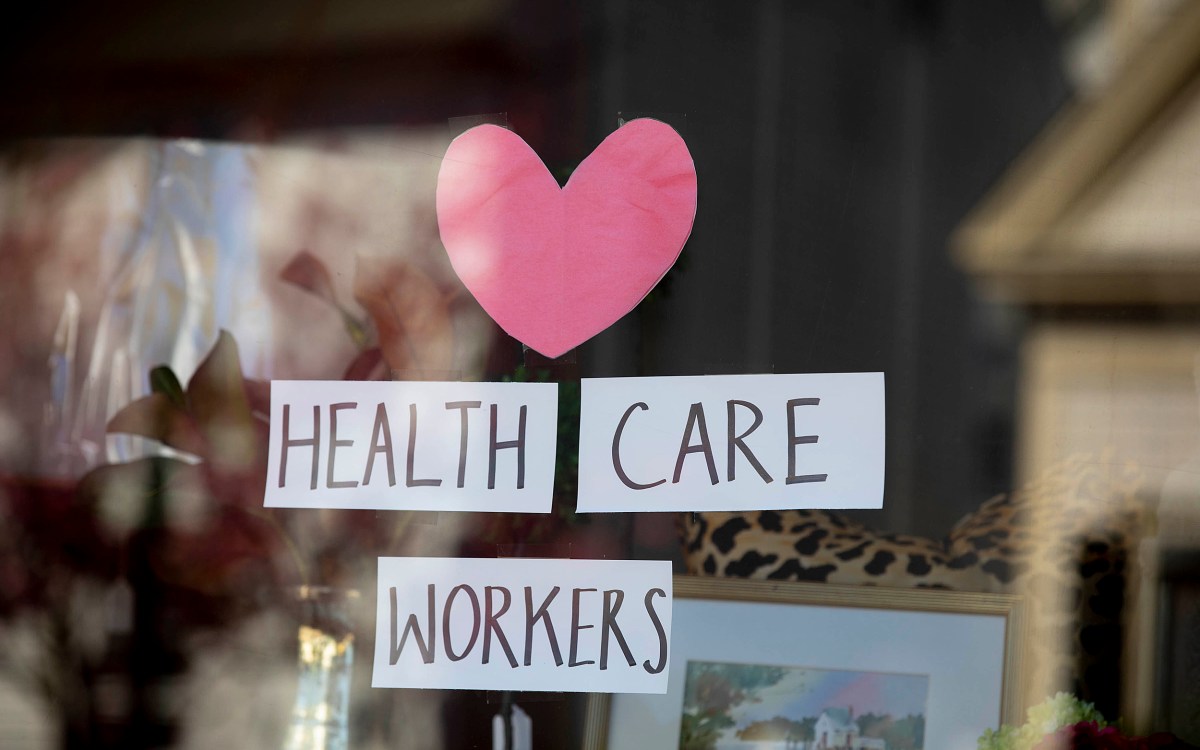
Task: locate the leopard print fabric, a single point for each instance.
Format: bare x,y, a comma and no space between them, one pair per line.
819,545
1063,542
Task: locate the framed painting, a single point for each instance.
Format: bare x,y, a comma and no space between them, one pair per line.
761,665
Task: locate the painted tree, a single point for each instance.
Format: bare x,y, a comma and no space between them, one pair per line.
712,692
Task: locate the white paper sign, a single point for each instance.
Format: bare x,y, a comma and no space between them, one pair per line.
523,624
731,442
412,445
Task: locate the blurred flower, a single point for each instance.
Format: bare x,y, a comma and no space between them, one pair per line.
1063,722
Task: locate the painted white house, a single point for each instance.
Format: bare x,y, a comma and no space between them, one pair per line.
835,730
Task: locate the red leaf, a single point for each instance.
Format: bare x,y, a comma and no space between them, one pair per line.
411,314
310,274
155,417
368,365
218,403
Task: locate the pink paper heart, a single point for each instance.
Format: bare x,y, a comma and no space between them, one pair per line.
553,266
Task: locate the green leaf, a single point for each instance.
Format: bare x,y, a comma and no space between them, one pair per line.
163,380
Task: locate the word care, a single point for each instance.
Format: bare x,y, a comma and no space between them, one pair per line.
732,442
412,445
523,624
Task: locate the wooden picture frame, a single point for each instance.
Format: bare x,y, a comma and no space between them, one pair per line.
1070,221
968,646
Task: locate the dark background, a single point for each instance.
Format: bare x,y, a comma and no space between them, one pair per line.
837,145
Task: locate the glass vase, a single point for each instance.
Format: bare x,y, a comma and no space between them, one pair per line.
320,715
